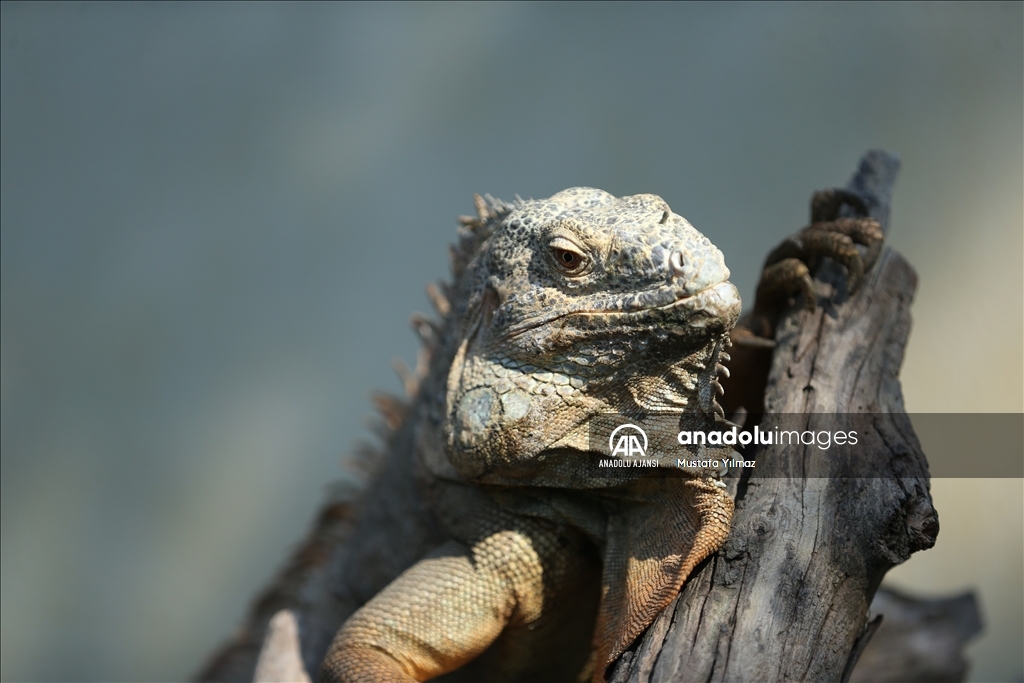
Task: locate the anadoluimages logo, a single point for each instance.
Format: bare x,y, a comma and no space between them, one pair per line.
628,443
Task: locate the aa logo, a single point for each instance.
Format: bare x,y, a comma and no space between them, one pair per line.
631,442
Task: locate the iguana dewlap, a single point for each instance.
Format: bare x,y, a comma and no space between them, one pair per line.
563,311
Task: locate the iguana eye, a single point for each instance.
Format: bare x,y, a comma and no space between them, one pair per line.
568,257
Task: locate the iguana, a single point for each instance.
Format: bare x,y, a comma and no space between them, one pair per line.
488,544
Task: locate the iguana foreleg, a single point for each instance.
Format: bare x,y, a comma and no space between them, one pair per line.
496,590
439,614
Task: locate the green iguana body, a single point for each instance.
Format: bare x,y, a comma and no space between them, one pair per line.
489,542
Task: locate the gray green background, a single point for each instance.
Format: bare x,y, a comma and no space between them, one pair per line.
216,220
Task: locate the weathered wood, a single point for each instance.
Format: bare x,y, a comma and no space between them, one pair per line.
787,598
920,640
279,660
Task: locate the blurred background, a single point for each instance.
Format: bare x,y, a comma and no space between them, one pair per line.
217,219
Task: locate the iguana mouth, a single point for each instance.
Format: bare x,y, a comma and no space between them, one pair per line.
717,302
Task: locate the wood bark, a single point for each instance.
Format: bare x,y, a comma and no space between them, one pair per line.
787,597
919,640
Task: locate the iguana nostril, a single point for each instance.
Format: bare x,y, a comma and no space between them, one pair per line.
677,264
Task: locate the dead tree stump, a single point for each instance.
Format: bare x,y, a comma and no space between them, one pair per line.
787,597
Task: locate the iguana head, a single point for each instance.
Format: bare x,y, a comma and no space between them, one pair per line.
576,305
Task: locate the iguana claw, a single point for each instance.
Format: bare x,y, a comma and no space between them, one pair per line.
854,242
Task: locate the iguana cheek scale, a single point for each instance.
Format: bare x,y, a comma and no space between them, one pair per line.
566,313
